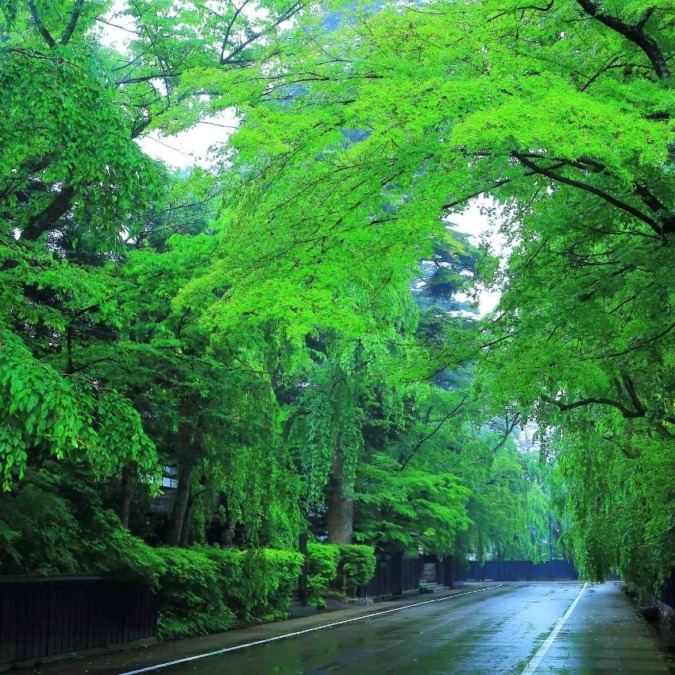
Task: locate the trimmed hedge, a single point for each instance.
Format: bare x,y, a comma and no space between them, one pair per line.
265,584
189,597
357,566
207,589
322,569
343,568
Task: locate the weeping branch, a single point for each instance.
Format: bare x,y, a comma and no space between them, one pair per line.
405,461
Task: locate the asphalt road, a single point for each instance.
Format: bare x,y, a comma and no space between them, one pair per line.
515,628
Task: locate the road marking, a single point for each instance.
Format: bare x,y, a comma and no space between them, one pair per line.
301,632
541,652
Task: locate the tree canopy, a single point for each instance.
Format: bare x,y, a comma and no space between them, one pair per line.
290,334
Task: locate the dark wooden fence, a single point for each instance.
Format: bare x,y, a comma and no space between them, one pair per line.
521,570
396,574
668,590
410,574
450,571
41,618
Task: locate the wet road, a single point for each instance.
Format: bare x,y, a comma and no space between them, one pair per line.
516,628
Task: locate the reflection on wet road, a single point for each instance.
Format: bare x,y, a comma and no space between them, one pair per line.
499,631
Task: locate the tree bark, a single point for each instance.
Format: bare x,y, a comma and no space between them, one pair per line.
125,496
180,505
340,505
46,219
185,533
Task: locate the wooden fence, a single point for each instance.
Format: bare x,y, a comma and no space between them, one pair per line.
521,570
396,574
42,618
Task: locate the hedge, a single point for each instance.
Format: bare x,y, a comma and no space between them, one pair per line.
357,566
339,567
189,597
207,589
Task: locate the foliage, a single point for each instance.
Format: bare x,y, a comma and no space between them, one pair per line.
269,579
291,332
205,589
405,509
322,567
56,523
357,566
189,597
342,568
616,499
39,529
560,114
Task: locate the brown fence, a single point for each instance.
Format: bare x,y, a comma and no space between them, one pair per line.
41,618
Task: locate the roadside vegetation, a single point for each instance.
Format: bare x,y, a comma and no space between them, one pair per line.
198,365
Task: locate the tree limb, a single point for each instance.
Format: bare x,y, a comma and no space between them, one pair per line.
432,433
72,24
507,431
635,33
564,407
43,221
40,26
523,159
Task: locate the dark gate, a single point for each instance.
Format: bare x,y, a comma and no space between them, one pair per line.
44,617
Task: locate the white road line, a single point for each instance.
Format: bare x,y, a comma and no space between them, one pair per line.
300,632
541,652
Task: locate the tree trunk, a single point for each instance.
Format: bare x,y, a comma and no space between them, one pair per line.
184,537
180,505
340,505
125,496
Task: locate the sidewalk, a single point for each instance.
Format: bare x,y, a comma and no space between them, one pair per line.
605,634
141,657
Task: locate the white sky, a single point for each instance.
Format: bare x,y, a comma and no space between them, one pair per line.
476,224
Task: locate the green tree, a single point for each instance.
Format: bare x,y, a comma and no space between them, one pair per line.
362,138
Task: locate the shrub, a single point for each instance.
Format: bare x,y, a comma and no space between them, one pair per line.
206,589
269,579
356,567
322,563
189,595
120,555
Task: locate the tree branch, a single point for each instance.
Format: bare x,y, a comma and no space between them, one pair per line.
72,24
40,26
43,221
564,407
523,159
507,431
643,343
432,433
635,33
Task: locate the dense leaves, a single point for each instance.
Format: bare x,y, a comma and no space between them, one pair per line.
288,339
